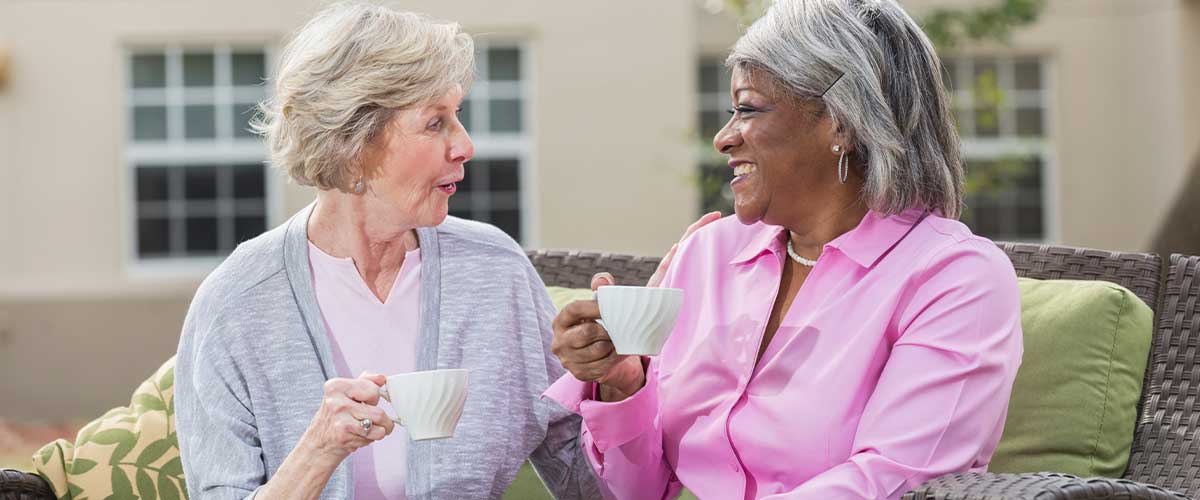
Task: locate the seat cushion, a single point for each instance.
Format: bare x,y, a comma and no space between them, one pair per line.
128,452
1074,403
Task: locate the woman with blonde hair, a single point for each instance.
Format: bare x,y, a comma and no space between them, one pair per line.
373,277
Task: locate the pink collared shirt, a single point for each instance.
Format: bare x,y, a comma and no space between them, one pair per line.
893,366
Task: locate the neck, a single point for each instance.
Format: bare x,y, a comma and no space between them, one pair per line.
355,226
810,234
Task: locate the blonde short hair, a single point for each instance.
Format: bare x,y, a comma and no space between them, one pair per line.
341,78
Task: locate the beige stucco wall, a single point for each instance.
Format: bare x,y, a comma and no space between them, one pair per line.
610,164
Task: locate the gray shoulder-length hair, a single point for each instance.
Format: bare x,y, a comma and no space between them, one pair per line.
343,76
882,86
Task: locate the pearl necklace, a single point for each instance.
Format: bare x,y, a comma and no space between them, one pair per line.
796,257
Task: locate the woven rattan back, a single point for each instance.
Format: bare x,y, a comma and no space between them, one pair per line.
574,269
1139,272
1167,442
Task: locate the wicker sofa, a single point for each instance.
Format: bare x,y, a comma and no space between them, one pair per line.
1165,459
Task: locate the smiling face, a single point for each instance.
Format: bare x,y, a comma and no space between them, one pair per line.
780,149
413,166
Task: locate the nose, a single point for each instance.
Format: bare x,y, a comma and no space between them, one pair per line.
461,147
727,138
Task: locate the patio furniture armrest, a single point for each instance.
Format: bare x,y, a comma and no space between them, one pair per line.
18,485
1039,486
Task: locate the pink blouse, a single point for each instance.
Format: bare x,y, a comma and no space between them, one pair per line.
893,366
368,335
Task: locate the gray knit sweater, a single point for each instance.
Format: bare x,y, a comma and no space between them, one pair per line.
254,355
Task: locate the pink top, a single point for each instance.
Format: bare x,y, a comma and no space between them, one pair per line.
366,335
893,366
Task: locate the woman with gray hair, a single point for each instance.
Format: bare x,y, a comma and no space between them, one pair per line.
845,337
373,277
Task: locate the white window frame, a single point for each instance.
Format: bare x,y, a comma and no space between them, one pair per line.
1007,143
176,151
508,145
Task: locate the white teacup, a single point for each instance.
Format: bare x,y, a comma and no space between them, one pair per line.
428,403
639,319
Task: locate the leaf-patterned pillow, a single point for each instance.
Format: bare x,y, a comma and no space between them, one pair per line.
130,452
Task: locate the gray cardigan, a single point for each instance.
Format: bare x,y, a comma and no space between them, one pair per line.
254,355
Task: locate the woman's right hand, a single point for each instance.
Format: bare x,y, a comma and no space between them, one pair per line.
585,349
337,429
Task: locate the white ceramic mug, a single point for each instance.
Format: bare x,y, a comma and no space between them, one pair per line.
428,403
639,319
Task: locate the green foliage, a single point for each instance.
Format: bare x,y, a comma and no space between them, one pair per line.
946,26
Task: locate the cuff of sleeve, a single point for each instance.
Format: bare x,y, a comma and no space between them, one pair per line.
569,392
614,424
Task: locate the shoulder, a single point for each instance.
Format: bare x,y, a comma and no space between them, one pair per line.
468,247
255,266
943,256
949,242
461,236
251,263
727,237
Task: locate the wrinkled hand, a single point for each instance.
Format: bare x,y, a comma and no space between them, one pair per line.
336,430
661,271
585,349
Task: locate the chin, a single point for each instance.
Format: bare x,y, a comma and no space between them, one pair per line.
747,215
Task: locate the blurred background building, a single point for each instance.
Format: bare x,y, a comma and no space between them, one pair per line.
127,172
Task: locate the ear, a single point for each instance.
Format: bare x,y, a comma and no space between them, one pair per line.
840,139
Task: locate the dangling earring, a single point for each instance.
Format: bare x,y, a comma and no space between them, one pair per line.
359,187
843,166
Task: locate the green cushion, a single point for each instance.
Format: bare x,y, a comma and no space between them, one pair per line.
562,296
1074,403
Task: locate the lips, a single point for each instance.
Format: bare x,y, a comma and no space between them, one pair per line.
741,170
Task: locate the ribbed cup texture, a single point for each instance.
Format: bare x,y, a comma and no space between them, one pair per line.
429,403
639,319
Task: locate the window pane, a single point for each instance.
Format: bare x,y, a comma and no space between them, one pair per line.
201,234
1029,221
949,75
985,68
464,116
245,228
151,183
708,77
1028,74
711,123
200,183
504,64
505,115
509,221
149,123
249,181
242,113
149,71
1004,197
153,237
715,193
249,68
198,70
504,176
987,122
1029,122
200,122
